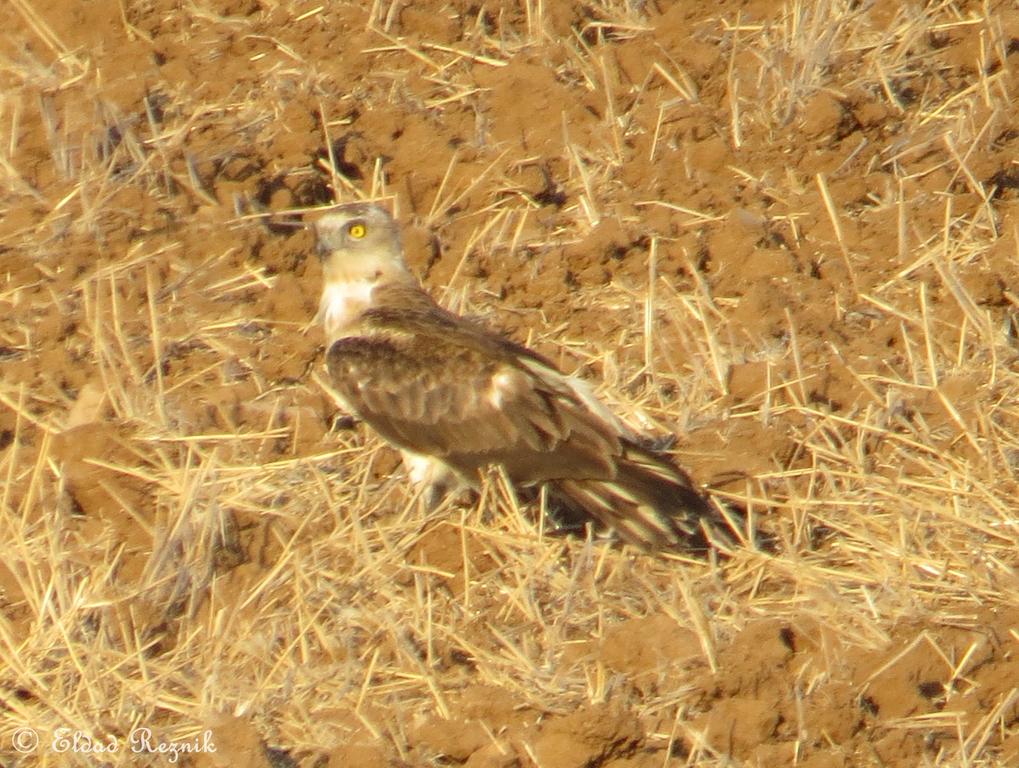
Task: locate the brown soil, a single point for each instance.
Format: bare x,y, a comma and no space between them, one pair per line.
811,205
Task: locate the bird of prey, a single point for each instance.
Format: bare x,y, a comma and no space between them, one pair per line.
456,398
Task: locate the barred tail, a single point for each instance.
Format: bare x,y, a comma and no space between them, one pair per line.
650,502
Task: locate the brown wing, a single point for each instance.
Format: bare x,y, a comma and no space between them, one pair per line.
436,385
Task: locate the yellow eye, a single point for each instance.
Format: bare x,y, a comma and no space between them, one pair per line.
357,230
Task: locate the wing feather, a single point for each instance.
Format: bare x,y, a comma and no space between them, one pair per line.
464,395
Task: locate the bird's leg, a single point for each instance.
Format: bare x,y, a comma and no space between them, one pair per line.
430,476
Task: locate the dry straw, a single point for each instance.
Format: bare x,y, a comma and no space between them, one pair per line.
223,566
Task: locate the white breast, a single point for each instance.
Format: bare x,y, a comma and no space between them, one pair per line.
341,304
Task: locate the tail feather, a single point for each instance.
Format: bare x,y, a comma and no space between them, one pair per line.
649,502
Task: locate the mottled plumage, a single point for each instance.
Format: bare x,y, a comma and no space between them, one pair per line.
456,398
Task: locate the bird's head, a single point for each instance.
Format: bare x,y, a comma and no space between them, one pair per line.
359,241
359,245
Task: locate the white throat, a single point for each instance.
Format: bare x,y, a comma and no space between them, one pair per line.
342,303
